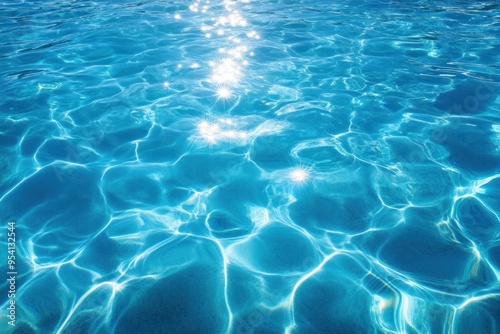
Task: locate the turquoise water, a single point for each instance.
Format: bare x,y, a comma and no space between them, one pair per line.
251,166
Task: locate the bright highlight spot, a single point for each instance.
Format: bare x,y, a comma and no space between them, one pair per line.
234,20
222,130
223,93
193,7
227,71
253,34
237,52
299,175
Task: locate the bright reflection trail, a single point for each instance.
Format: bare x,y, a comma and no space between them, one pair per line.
251,166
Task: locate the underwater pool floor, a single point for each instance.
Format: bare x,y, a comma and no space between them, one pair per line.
250,166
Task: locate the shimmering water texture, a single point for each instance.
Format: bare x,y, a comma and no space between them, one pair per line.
251,166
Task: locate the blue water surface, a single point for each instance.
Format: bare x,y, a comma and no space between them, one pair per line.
221,166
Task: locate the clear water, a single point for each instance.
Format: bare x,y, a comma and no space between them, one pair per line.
251,166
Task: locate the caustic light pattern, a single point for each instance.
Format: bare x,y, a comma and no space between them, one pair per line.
251,166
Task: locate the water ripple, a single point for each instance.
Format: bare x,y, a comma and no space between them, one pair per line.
251,167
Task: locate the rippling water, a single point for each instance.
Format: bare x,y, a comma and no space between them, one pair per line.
251,166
